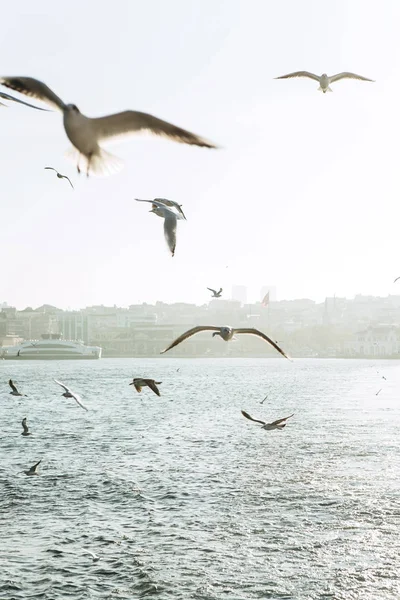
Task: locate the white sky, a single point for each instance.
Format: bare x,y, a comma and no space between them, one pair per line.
304,194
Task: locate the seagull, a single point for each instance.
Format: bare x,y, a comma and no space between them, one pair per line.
138,382
170,218
167,202
92,554
69,394
33,470
8,97
61,176
85,133
226,333
14,391
397,278
216,294
278,424
25,427
378,392
262,401
324,80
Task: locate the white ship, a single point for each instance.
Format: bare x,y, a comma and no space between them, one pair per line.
50,347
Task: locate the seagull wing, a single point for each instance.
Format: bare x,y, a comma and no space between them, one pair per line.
25,426
12,386
152,386
33,469
8,97
170,230
397,278
213,291
63,386
347,75
299,74
51,169
173,204
68,179
245,414
264,337
78,400
33,88
280,420
189,333
137,385
130,122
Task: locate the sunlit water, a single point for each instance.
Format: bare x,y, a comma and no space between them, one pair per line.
183,498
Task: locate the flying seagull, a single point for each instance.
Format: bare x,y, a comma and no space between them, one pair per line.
324,80
170,220
92,554
14,391
166,202
278,424
262,401
85,133
216,294
33,470
138,382
25,428
8,97
226,333
60,176
397,278
69,394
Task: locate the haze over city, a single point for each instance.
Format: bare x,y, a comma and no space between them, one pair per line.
325,224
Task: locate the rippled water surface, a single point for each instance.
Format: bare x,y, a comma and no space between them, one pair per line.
182,498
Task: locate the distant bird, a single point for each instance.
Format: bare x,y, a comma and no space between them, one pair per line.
278,424
138,382
226,333
397,278
216,294
324,80
92,554
170,203
8,97
262,401
85,133
69,394
14,391
33,470
170,221
378,392
383,377
19,352
60,176
25,427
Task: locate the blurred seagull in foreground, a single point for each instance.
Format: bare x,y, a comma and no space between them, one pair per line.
8,97
138,382
25,427
166,202
170,221
60,176
69,394
14,391
324,80
216,294
397,278
33,470
86,133
226,333
92,554
278,424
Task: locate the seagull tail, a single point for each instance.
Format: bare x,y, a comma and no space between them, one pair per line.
102,163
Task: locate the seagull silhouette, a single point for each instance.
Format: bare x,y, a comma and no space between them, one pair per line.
33,470
324,80
14,391
25,427
60,176
86,133
226,333
70,394
278,424
170,221
139,382
216,294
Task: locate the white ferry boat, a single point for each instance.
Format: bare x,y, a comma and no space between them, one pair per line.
50,347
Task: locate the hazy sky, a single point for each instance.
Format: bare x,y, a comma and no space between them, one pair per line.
304,194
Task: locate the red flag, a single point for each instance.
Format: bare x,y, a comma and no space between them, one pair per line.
265,300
